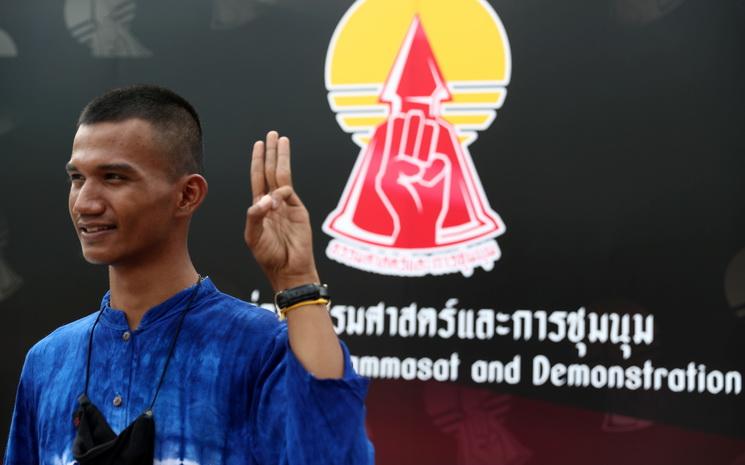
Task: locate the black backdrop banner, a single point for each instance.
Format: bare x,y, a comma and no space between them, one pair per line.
530,213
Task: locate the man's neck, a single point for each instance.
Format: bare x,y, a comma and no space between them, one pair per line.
137,289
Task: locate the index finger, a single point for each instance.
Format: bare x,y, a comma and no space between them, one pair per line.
258,183
284,171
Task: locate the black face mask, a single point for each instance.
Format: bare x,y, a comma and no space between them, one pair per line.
96,443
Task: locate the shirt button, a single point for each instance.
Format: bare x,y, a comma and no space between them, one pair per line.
117,401
126,335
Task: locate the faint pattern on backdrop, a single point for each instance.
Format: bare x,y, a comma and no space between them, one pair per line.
230,14
615,423
103,25
6,120
9,279
7,45
476,418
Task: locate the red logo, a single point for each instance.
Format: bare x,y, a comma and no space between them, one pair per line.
414,204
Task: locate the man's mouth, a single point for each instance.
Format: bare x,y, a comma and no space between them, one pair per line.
96,229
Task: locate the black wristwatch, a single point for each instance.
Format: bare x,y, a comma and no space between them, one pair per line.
288,297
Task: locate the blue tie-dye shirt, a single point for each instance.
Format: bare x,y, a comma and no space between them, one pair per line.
234,392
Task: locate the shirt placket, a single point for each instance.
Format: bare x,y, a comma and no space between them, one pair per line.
118,396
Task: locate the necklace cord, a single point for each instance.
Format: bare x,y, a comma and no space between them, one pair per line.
175,339
194,293
90,345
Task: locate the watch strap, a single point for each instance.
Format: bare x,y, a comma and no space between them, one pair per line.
295,295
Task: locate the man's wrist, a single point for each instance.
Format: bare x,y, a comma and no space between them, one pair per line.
281,283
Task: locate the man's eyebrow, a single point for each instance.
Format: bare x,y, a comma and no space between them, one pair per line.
70,168
116,167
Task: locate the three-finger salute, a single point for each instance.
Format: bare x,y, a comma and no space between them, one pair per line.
278,232
278,228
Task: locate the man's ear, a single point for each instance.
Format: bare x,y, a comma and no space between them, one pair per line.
191,194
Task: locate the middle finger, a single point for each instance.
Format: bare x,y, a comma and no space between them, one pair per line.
270,160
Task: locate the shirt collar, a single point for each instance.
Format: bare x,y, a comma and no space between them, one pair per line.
173,305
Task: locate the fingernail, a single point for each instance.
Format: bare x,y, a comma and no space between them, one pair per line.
275,203
265,201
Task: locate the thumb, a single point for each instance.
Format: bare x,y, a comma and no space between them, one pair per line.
283,194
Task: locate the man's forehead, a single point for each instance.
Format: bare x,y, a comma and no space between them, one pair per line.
130,142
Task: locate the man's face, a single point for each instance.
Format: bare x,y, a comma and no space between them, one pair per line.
122,201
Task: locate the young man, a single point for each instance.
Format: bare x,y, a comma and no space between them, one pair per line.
170,370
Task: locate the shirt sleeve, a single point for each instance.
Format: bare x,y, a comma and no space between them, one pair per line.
299,419
22,442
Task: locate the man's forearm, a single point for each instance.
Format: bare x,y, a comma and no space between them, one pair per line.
311,332
314,342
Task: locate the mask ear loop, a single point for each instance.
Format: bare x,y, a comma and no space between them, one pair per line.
88,361
149,411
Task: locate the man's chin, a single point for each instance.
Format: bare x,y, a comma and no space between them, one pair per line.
96,258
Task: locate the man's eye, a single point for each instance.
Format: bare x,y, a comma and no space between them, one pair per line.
114,177
75,178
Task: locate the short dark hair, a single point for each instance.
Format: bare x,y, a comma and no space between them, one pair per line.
173,118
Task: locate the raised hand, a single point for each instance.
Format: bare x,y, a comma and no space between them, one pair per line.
278,228
279,235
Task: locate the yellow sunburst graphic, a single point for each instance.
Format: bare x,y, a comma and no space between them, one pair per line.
470,45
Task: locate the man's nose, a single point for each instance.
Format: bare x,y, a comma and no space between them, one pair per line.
88,201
